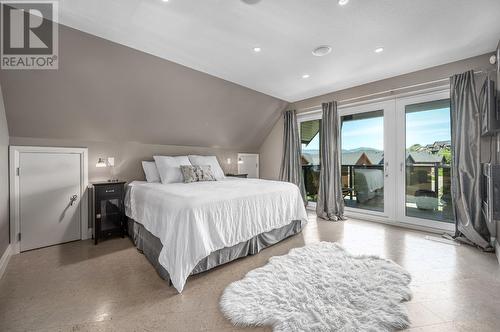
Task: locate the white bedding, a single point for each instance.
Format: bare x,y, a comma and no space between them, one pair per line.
193,220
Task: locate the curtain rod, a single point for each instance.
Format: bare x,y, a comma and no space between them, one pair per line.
391,91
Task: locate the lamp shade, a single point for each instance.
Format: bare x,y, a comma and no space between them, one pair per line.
100,163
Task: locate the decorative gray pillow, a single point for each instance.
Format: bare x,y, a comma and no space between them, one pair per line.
197,173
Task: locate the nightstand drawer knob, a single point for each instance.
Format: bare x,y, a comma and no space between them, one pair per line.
98,216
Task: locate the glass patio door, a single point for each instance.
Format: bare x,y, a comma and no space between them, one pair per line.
367,135
424,157
396,159
309,139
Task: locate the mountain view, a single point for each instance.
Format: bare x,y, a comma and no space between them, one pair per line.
350,156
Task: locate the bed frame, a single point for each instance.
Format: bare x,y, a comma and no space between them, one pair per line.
150,246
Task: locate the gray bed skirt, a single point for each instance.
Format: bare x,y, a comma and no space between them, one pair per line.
151,246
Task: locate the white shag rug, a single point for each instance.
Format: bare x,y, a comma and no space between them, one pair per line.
321,287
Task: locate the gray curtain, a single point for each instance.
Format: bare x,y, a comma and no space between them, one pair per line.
291,168
466,185
330,202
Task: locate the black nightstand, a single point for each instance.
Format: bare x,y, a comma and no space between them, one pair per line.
108,209
244,176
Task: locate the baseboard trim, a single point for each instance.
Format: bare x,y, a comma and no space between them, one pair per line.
497,250
391,222
5,260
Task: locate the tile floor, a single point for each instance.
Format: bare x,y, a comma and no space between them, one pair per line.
112,287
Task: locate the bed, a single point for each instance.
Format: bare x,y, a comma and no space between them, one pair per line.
189,228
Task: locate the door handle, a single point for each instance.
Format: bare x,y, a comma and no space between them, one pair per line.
73,199
386,169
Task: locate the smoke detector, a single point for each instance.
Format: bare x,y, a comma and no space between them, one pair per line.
322,50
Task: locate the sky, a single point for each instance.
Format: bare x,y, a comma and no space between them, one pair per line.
313,145
424,127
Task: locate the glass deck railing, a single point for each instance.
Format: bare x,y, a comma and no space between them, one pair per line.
428,189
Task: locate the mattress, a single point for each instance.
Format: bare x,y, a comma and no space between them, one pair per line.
193,220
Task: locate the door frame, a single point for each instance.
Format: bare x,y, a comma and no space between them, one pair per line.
14,154
401,159
315,112
250,154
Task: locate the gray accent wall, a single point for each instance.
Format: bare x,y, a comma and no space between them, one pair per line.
128,155
4,179
107,92
127,104
271,150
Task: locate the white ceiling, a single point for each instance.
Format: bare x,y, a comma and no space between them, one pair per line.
217,37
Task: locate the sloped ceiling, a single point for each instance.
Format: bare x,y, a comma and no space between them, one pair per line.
218,37
104,91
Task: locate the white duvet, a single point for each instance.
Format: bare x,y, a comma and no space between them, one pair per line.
193,220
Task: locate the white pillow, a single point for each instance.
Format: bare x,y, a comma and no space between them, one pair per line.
151,172
210,161
170,168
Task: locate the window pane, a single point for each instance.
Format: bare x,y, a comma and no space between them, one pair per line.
309,137
363,160
428,158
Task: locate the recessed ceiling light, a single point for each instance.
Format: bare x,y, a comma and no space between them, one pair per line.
343,2
322,50
306,76
257,49
164,0
379,50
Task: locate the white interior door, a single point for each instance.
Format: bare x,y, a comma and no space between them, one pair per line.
49,197
248,163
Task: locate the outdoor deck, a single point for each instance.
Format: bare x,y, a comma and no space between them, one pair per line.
428,193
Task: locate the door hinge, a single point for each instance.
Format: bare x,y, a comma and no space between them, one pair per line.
18,236
17,171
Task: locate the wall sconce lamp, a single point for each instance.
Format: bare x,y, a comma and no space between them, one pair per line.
101,163
108,162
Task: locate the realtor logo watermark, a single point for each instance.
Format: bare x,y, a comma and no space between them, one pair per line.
29,36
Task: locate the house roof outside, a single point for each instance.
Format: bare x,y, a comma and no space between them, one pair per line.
374,157
445,143
353,157
436,146
423,157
